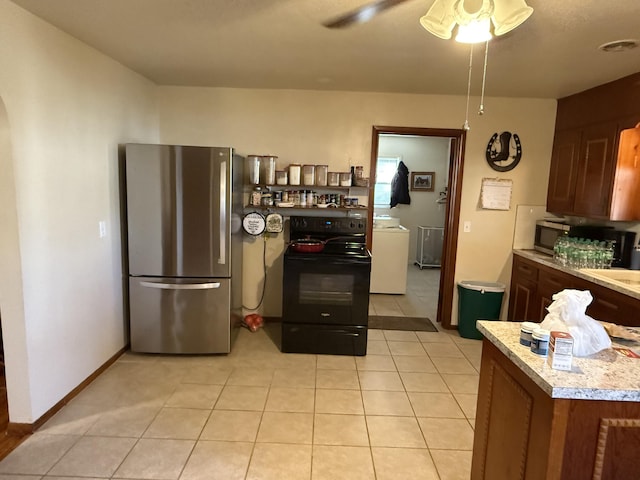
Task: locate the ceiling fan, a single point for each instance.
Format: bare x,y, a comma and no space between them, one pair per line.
362,14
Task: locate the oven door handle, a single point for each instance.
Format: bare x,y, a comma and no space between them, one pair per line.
346,333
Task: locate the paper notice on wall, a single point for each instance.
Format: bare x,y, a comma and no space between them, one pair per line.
496,193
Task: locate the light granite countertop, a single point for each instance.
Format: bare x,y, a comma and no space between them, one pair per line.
606,375
547,260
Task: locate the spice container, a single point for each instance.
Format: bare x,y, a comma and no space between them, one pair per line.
345,179
281,177
310,195
526,331
540,342
321,175
268,170
253,169
294,174
333,179
309,175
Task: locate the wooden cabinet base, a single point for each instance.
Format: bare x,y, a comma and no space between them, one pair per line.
523,433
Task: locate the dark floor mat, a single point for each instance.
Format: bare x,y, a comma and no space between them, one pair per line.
420,324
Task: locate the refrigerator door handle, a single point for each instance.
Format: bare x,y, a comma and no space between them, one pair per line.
223,212
181,286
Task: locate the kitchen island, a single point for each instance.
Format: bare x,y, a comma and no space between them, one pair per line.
533,422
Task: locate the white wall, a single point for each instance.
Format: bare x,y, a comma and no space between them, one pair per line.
67,109
419,154
336,127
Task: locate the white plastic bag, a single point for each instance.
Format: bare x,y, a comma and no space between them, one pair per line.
567,314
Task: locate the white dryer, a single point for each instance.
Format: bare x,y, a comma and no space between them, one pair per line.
389,259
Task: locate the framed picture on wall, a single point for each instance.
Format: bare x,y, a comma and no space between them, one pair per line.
423,181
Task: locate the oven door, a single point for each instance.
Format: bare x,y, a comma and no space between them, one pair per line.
326,290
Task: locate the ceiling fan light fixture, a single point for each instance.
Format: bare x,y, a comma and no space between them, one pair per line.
439,20
509,14
444,15
476,31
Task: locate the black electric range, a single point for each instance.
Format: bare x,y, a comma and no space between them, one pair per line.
326,293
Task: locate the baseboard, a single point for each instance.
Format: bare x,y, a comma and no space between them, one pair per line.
22,429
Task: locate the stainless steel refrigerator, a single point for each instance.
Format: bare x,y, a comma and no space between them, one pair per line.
183,242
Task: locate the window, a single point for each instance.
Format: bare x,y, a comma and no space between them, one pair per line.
385,170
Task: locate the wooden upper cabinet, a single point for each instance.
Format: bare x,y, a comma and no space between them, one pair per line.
564,171
595,169
625,201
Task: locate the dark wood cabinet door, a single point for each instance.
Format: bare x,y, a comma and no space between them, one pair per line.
596,169
564,171
524,286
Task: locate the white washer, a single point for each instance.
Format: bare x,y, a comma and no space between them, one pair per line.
389,260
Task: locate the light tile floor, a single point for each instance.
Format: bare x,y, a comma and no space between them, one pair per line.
403,412
420,300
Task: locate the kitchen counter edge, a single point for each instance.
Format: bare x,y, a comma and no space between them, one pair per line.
606,375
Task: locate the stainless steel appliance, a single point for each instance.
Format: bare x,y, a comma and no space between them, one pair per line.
183,247
326,290
547,232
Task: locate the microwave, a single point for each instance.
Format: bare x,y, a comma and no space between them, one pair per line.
547,233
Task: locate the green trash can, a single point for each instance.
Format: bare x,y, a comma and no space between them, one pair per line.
477,301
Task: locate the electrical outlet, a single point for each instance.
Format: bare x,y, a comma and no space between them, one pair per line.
467,226
102,227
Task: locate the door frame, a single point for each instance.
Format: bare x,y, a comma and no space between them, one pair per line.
452,213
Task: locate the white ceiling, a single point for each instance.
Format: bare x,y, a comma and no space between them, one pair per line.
282,44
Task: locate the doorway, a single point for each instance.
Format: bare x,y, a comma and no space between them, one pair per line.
452,206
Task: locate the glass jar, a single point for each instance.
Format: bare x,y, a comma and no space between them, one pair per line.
321,175
253,169
256,197
281,177
267,199
309,175
345,179
294,174
333,179
310,195
268,170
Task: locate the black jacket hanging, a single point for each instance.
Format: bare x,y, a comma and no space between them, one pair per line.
400,186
